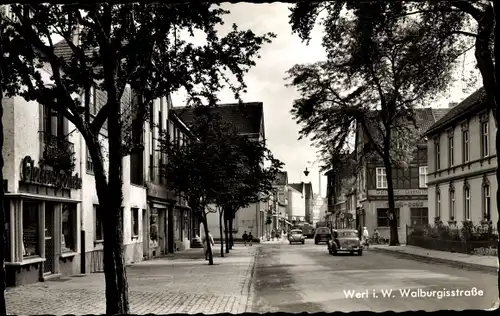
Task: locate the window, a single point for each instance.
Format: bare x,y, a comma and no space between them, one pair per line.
68,228
30,229
135,222
467,203
485,146
438,155
487,202
98,224
383,217
419,216
452,204
422,177
438,204
465,140
92,101
90,164
381,178
451,154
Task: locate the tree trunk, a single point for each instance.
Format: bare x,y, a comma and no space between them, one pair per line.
226,230
209,244
221,213
496,99
231,240
111,198
393,220
3,308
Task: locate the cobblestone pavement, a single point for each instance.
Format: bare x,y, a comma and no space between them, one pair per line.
486,261
306,278
181,284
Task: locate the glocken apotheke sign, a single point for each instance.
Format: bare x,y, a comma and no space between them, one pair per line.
37,175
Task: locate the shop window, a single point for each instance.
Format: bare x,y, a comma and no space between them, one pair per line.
419,216
68,228
98,225
30,229
383,217
135,222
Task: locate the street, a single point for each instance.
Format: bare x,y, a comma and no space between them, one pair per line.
262,278
305,278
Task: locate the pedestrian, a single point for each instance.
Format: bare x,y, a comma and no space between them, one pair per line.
366,235
205,246
250,238
245,237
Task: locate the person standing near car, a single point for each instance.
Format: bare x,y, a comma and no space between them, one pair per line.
366,235
245,237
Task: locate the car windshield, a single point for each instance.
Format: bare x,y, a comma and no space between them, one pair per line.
296,232
323,231
348,234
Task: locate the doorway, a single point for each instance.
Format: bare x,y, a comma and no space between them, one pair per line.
162,229
48,267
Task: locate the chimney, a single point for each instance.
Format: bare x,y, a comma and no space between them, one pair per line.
452,104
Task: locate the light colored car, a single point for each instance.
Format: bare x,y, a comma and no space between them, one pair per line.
345,240
296,236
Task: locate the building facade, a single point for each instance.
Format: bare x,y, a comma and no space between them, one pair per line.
300,202
247,119
409,180
462,164
53,219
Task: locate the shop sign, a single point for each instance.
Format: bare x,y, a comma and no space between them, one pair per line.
398,192
409,204
36,175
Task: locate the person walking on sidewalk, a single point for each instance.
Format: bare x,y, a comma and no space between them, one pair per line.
205,245
250,238
245,237
366,235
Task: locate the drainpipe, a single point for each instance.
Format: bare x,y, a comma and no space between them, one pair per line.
82,230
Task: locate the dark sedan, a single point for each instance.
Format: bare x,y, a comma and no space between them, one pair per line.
322,234
345,240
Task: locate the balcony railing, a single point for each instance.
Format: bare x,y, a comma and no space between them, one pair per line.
57,152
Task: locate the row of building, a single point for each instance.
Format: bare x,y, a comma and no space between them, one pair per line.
450,178
53,219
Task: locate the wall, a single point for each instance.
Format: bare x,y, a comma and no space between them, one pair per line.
474,171
297,203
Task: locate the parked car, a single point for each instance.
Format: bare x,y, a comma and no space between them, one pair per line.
295,235
322,234
345,240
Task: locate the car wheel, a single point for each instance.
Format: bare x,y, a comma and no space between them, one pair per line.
316,242
360,253
303,242
290,243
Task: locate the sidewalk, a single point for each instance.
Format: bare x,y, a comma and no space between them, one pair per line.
482,263
183,283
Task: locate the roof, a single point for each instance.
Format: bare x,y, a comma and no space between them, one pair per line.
296,186
472,103
246,117
282,178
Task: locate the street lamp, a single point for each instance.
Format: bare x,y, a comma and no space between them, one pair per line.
306,172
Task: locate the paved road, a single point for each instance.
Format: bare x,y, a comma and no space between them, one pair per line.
305,278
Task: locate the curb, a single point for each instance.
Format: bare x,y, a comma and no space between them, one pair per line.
427,259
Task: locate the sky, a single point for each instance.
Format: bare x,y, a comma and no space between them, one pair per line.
266,84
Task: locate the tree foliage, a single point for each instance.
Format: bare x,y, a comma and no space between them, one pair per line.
220,166
375,74
140,47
